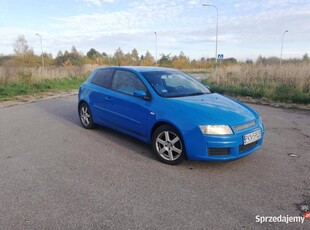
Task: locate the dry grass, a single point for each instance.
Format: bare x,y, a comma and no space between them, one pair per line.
16,74
286,83
297,75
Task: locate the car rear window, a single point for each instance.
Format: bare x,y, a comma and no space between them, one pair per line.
103,78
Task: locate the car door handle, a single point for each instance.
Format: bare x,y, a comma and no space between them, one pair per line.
108,98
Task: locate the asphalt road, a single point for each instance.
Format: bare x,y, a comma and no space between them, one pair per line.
56,175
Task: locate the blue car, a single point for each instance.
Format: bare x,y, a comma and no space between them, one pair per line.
176,114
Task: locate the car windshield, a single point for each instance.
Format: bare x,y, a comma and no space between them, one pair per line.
169,83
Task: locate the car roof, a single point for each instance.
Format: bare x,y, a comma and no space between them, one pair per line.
141,68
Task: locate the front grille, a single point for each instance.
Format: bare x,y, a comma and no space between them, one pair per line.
243,148
218,151
245,126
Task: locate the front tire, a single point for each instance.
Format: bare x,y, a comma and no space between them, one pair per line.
85,116
168,145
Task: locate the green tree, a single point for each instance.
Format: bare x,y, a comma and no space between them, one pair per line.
165,60
94,56
48,59
305,58
147,59
74,50
60,59
68,59
92,53
135,57
75,57
249,62
128,59
229,61
59,54
5,59
181,61
119,57
261,60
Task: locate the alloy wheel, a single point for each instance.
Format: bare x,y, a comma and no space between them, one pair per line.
169,145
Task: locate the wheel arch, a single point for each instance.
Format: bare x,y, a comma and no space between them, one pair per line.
81,102
161,123
91,124
158,124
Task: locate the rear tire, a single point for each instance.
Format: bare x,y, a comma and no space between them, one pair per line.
168,145
86,116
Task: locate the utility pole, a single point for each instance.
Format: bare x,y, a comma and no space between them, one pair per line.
155,48
41,51
216,33
282,45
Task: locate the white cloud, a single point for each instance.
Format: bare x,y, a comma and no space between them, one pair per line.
194,2
97,2
246,28
177,29
138,16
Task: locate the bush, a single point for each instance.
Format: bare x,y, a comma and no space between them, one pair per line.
22,88
42,85
25,77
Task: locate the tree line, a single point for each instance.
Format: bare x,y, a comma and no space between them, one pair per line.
24,56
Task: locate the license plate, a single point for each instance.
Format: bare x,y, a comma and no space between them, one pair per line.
252,137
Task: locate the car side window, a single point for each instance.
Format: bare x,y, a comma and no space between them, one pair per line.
127,82
103,78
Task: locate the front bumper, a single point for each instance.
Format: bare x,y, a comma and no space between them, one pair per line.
217,150
223,148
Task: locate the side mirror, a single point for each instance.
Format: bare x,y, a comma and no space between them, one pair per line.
140,94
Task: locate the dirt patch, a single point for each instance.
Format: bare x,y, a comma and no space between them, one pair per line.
303,206
24,99
266,101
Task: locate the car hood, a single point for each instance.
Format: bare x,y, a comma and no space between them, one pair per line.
213,109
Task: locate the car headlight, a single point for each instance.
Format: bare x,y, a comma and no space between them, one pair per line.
215,129
260,119
261,122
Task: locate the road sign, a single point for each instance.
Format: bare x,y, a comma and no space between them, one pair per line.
220,56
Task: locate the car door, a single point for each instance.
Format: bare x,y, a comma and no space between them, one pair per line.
101,86
125,111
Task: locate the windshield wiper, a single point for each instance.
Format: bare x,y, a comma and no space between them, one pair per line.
195,94
184,95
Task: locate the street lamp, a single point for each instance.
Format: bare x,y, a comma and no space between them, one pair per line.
155,47
41,50
217,28
282,45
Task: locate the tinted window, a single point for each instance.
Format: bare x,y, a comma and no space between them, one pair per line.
103,78
126,82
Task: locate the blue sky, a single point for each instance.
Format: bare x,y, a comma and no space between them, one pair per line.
247,28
